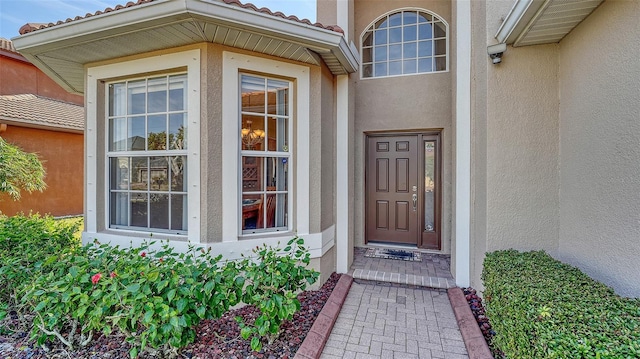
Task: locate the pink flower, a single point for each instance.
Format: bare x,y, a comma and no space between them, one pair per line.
161,260
112,275
143,254
95,278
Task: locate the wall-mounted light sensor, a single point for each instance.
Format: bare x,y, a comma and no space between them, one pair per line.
495,52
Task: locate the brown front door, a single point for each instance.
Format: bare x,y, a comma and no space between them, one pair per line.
402,206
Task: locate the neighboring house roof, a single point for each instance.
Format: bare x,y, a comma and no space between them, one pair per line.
37,111
7,45
29,27
62,50
534,22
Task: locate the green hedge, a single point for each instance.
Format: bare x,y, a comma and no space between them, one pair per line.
25,243
542,308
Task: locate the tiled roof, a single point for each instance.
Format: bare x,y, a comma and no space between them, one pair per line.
29,27
41,111
7,45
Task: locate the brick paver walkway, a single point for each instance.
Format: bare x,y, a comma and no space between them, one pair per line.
390,321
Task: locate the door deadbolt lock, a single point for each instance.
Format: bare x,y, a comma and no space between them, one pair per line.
415,188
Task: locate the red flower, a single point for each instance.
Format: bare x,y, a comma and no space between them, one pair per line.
95,278
161,260
143,254
112,275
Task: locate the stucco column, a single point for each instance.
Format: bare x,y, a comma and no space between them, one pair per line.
463,144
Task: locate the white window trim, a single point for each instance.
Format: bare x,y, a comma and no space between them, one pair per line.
95,75
232,65
447,56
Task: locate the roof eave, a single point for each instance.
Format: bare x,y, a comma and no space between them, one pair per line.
322,41
518,19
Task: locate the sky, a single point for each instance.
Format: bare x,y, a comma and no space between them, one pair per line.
15,13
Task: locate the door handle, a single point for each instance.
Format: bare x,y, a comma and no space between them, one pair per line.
415,202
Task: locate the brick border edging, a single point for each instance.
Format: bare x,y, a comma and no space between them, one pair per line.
313,344
471,335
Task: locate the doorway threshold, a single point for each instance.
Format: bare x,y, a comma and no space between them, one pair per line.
434,271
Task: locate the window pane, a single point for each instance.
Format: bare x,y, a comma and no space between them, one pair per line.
367,40
380,37
380,69
367,54
177,92
425,48
179,212
425,65
410,50
177,131
282,210
253,94
252,133
159,208
119,209
252,174
159,173
178,170
429,186
424,17
277,134
381,23
395,34
395,19
119,170
424,31
139,175
410,33
395,68
278,92
439,29
440,47
252,212
137,138
409,66
157,95
441,63
139,203
380,53
367,70
136,100
118,134
395,52
410,17
117,99
277,170
157,132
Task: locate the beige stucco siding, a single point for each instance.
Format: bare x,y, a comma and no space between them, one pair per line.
413,102
328,145
599,146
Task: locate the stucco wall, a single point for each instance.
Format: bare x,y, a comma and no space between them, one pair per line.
63,157
522,145
599,152
402,103
328,146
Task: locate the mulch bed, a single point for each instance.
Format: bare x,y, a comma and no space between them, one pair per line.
218,338
475,303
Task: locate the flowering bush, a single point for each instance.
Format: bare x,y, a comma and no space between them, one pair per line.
155,298
272,282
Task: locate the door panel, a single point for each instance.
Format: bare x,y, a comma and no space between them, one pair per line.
391,175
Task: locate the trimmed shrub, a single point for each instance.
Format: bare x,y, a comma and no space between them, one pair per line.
542,308
25,244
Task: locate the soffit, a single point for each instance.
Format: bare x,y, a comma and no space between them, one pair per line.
534,22
62,51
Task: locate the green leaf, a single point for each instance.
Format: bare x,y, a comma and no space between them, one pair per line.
133,288
181,304
171,294
133,353
174,322
256,345
245,332
200,312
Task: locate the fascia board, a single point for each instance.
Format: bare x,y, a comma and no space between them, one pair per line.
101,26
518,19
40,126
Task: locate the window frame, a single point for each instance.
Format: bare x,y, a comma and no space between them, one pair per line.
146,153
371,28
96,165
298,217
265,153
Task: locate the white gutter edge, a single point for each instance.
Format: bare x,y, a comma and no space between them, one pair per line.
516,20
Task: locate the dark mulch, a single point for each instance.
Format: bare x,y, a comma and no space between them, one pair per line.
215,338
475,303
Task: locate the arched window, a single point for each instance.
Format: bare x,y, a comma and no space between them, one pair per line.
404,42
